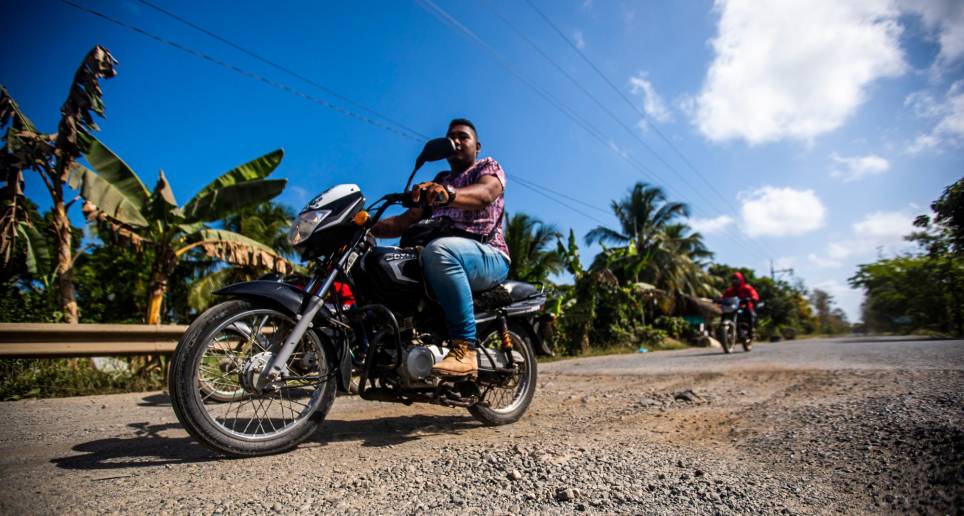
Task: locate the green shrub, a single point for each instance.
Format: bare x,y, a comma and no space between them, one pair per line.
52,378
647,335
675,327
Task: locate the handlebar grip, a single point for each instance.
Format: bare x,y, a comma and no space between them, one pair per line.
407,202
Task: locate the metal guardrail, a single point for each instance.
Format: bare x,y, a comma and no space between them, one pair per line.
42,340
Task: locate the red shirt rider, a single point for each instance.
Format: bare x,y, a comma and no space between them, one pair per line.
741,289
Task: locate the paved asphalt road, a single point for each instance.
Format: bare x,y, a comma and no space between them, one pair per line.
851,353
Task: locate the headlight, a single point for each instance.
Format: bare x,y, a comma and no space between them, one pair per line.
305,224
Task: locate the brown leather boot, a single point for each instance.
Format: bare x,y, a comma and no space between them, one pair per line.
460,361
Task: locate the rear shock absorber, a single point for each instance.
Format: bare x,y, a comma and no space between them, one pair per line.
506,339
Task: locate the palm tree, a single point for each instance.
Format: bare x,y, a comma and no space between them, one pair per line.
115,195
53,157
654,246
532,248
642,215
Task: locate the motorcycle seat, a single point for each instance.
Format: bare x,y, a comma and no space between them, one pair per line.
503,294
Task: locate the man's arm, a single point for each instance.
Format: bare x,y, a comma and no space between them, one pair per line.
753,294
478,195
393,227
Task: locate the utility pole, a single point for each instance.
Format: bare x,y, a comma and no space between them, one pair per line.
774,272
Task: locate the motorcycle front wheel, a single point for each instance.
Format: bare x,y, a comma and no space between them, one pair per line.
727,336
249,423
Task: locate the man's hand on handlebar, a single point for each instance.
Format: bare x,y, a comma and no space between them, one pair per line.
432,194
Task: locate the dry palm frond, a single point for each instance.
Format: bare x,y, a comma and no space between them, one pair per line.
244,255
84,97
125,233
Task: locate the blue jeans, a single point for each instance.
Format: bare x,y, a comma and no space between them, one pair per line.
455,267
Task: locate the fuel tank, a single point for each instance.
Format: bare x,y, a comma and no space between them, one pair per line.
394,277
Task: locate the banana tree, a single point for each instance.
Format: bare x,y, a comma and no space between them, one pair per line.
116,196
52,156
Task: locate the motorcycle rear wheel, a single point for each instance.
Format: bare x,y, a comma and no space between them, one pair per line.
247,426
747,343
501,406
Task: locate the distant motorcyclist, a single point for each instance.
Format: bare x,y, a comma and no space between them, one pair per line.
743,290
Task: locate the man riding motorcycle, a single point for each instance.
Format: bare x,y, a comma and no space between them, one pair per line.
743,290
472,196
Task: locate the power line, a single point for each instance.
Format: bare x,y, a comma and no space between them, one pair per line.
635,108
632,133
557,201
507,63
400,129
564,196
621,94
278,66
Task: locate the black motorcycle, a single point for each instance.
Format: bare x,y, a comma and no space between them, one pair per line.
734,323
257,373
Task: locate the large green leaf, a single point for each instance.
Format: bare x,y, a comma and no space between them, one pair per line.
107,197
222,201
258,168
201,293
37,252
113,169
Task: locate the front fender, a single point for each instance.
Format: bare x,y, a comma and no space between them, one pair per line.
288,298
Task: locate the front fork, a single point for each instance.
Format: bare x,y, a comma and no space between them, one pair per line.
277,365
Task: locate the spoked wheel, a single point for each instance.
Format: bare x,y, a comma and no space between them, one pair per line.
745,332
727,336
216,366
506,401
218,373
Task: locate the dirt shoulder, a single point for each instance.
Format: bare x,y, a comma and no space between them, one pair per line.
751,440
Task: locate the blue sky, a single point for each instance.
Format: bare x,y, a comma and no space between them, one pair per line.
818,129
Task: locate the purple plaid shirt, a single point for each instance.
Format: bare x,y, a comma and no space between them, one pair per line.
480,222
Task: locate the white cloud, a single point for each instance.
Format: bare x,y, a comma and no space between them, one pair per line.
772,211
858,167
824,263
712,225
785,262
884,227
653,104
946,17
883,231
948,115
579,39
786,69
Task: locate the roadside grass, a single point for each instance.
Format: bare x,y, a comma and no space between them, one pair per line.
620,349
61,377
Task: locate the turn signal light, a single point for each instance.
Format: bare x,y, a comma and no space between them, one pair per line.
361,218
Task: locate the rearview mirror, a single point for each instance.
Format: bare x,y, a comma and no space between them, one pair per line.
434,150
437,149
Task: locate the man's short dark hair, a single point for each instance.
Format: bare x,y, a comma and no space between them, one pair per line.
463,121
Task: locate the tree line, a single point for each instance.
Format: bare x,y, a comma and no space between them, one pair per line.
920,291
146,258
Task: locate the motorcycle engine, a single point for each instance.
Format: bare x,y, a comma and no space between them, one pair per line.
417,364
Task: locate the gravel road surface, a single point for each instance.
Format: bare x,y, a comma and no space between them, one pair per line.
821,426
